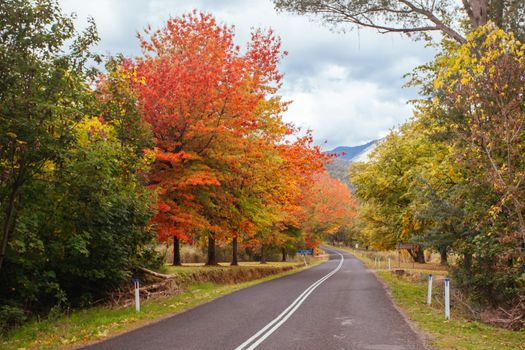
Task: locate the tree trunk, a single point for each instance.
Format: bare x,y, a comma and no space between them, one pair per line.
498,10
176,251
417,255
444,256
521,221
467,262
263,257
212,260
9,223
479,16
234,252
284,254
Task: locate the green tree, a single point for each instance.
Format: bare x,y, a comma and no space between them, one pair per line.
44,91
388,186
477,95
84,228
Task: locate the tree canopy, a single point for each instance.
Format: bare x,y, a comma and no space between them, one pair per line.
413,17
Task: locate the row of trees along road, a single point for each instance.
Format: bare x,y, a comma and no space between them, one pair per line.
452,178
184,142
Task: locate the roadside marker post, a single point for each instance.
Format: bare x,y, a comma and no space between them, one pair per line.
389,265
429,292
447,299
136,285
304,253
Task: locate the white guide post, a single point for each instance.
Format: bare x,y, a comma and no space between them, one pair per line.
429,292
389,265
447,299
137,294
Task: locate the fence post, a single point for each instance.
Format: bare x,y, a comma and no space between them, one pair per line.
429,292
447,299
137,294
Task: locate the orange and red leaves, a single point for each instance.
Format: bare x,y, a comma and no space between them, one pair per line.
224,159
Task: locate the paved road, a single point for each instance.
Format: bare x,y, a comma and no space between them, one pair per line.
336,305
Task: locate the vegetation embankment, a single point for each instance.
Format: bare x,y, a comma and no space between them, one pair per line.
409,291
462,332
194,285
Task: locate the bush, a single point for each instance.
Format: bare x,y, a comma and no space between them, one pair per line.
10,316
83,231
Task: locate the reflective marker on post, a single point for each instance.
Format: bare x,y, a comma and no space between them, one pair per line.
137,294
447,299
429,292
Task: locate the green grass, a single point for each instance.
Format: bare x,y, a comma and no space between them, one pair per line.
458,333
85,326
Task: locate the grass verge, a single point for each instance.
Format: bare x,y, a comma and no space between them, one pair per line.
459,333
89,325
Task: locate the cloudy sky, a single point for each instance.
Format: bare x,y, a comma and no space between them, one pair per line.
346,87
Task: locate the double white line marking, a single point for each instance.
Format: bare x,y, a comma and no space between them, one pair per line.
277,322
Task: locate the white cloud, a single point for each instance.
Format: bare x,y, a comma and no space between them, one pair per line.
344,111
347,87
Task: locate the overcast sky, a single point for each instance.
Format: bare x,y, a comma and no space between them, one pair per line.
347,87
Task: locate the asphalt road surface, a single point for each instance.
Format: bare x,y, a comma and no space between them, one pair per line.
336,305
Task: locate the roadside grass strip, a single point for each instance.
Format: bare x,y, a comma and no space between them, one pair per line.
82,327
271,327
459,333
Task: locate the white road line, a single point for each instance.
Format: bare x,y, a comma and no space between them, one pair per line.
287,313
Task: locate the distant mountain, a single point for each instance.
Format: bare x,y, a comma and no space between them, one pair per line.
352,152
338,168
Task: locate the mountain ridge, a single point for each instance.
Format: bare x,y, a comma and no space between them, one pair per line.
351,152
346,155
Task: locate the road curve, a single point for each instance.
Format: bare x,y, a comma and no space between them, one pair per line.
336,305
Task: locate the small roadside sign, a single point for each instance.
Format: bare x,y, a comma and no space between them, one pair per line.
305,251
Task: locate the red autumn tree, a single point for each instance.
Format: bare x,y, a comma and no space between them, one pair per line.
199,94
327,206
294,164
